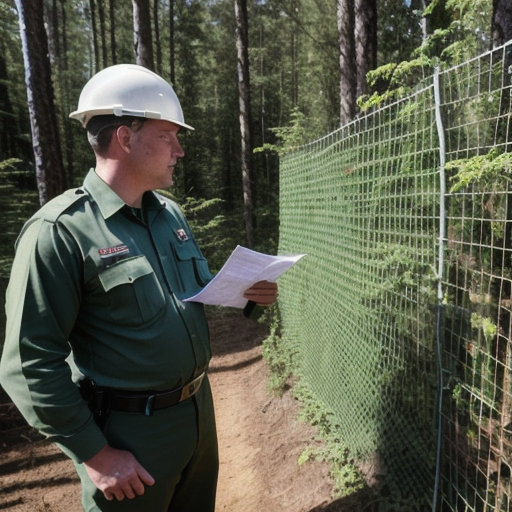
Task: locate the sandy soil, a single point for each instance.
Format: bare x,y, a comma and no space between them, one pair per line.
259,436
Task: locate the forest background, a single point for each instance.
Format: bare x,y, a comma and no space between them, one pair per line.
254,77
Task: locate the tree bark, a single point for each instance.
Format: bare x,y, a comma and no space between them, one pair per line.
65,61
348,76
113,46
172,49
244,93
49,168
365,41
103,34
143,43
94,26
158,45
501,22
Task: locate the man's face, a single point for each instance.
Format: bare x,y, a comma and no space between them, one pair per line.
155,150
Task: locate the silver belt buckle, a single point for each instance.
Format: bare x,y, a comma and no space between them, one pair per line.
192,387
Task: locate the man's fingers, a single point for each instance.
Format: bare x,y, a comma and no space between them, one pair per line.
130,493
264,285
145,477
119,494
118,474
263,293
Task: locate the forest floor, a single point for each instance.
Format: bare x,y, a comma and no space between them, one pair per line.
260,441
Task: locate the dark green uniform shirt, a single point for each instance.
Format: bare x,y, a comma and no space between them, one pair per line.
94,285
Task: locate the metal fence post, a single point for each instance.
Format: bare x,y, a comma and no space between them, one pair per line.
440,272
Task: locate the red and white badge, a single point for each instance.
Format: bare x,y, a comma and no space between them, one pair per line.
182,235
118,250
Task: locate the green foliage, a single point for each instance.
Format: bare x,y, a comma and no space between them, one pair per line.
455,31
279,356
347,477
290,137
282,362
488,327
481,169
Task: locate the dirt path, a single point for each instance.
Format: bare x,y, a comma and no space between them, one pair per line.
260,442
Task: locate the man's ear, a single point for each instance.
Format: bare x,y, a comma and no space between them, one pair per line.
124,135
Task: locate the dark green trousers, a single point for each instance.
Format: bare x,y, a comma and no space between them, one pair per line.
177,446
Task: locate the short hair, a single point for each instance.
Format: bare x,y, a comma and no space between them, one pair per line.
100,129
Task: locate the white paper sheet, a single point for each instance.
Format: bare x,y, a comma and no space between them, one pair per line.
243,269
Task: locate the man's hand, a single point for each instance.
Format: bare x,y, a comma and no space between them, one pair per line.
118,474
262,293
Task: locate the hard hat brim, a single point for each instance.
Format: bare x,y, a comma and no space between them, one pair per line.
85,116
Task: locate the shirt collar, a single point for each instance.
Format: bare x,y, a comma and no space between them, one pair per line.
108,201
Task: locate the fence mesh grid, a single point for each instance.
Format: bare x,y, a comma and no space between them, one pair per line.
363,310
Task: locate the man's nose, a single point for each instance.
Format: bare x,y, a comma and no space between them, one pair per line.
178,150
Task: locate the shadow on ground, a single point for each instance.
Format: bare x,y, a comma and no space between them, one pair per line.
360,501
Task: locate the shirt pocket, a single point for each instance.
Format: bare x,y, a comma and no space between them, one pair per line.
192,272
134,292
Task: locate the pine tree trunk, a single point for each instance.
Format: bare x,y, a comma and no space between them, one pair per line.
366,42
143,43
94,26
113,46
103,34
245,109
348,80
501,22
158,45
49,168
172,50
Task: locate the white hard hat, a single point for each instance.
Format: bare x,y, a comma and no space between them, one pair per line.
129,90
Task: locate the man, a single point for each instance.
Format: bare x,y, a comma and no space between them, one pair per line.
101,354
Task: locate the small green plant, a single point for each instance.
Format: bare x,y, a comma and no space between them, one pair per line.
484,169
278,355
346,475
489,328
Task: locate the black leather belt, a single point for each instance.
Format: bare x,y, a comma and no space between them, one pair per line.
148,401
145,402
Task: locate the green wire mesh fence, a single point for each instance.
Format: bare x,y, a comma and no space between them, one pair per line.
401,313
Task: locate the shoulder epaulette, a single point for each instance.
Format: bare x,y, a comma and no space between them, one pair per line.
53,209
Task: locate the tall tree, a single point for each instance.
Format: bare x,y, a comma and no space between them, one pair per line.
365,41
112,18
49,168
348,75
501,22
172,50
95,43
58,45
158,44
65,63
103,34
143,42
244,93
